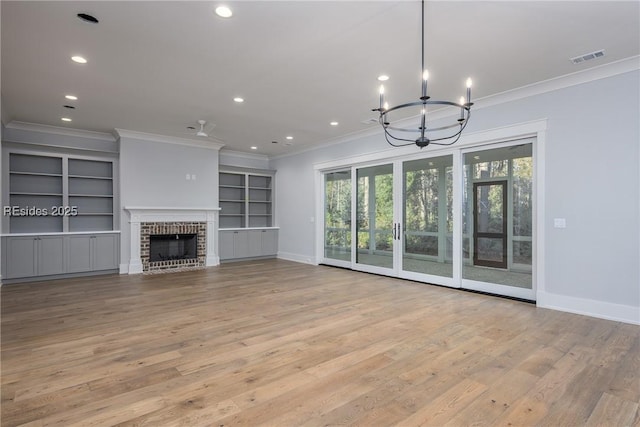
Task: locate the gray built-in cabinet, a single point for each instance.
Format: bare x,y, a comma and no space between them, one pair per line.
62,217
247,225
238,244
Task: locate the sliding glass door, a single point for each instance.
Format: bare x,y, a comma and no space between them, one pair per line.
337,217
498,221
376,228
427,203
463,219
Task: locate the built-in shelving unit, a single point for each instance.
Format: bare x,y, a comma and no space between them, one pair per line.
91,191
247,226
35,182
61,217
64,194
245,200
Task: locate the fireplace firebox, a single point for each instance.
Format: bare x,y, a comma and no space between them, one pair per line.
170,247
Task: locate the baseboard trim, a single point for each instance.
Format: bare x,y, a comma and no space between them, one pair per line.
296,258
588,307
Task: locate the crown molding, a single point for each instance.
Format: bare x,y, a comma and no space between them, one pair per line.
579,77
78,133
210,143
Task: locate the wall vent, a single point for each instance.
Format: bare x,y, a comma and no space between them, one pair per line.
588,56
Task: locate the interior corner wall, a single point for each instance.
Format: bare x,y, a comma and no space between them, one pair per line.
592,180
154,174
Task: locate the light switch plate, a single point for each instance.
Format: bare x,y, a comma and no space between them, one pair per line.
560,223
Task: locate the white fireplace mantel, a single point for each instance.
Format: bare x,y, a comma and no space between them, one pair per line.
140,214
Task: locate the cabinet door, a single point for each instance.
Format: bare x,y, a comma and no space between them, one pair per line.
269,242
240,244
105,252
51,255
79,250
21,257
255,243
225,244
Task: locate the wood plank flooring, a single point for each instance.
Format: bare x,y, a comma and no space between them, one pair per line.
278,343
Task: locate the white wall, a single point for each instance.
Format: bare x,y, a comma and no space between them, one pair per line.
153,173
592,180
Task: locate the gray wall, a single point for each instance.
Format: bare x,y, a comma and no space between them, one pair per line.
592,180
153,174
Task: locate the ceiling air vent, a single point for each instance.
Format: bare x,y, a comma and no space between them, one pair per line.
588,56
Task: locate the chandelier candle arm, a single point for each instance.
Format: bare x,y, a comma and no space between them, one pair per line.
425,77
426,135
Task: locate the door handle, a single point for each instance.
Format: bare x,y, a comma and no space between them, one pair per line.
396,231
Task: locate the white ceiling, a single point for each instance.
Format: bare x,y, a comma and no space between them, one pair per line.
159,66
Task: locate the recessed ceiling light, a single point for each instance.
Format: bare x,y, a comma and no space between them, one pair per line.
254,147
223,12
238,99
79,59
65,119
334,123
289,137
71,97
383,77
87,18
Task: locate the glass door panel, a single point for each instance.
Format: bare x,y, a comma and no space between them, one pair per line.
375,227
497,221
428,216
337,215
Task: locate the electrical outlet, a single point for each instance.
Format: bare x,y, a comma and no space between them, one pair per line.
559,223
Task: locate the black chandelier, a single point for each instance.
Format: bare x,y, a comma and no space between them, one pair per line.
396,135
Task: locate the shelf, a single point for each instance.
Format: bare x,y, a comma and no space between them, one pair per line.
94,214
110,196
35,173
108,178
231,201
24,193
259,188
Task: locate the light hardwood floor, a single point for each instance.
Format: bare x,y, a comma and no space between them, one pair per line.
277,343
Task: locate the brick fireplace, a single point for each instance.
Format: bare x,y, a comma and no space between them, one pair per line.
146,222
149,229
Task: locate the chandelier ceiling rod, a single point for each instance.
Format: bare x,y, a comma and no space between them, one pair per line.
436,134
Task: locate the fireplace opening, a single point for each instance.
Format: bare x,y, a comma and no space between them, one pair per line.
168,247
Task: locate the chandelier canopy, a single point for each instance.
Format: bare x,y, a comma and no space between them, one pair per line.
398,136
